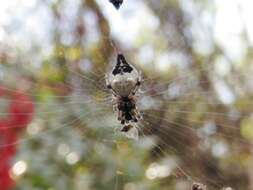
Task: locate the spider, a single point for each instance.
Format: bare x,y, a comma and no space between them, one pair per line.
116,3
124,81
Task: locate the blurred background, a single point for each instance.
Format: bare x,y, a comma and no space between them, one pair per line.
57,127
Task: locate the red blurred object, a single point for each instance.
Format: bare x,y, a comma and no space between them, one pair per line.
20,112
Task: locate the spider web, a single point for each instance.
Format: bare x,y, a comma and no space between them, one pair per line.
188,133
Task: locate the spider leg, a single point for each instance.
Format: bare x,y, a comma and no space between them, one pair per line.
138,84
114,107
109,86
114,103
123,121
113,92
135,118
135,111
135,89
120,115
114,99
138,115
134,99
139,80
107,82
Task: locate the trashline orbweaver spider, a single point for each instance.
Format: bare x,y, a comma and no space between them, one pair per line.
124,81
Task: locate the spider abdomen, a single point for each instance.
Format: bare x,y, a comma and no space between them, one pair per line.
123,86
